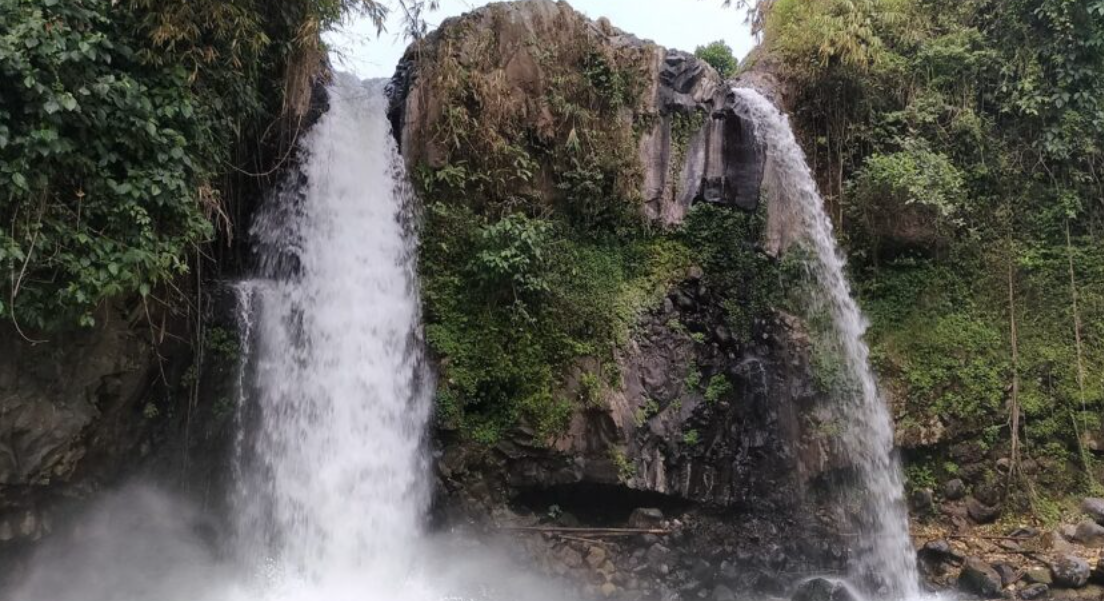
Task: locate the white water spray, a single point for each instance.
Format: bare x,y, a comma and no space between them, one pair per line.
333,470
885,551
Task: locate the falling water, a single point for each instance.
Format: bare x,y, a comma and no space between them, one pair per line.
885,552
332,469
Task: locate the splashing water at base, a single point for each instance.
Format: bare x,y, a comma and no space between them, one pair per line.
885,551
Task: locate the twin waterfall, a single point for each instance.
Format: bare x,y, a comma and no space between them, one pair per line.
885,551
332,481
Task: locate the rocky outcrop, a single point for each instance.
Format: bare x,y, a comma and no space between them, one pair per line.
71,414
690,144
709,426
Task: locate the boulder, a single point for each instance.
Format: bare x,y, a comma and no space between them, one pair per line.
569,557
954,489
1070,571
1094,508
723,593
659,558
646,517
979,578
1037,576
938,551
1089,533
822,589
1034,591
1008,573
596,556
922,501
982,514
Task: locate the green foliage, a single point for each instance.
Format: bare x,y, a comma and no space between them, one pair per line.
981,121
725,245
117,121
102,193
223,343
918,477
513,255
719,55
693,379
626,470
546,298
610,83
691,438
646,412
913,175
590,390
718,387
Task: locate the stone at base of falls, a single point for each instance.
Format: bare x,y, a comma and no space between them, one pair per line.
1089,534
1070,571
979,578
954,489
1038,576
646,518
822,589
980,513
1008,573
659,558
936,555
723,593
596,557
922,501
1034,591
1094,508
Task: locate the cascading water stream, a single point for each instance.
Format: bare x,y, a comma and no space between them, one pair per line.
885,552
335,402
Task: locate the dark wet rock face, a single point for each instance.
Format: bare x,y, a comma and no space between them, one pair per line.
72,417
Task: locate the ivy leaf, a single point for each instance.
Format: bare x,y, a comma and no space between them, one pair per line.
19,181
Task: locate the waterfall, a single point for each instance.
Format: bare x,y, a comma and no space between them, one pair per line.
885,552
332,472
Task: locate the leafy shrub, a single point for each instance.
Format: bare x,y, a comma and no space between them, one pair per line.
913,175
118,120
719,55
513,255
718,387
104,195
691,438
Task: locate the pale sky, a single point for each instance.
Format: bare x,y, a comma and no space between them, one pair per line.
681,24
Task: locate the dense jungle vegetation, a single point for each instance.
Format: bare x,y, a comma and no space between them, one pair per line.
959,145
127,130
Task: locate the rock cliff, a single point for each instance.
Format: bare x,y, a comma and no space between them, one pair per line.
715,428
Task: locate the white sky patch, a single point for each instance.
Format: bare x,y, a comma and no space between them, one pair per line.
681,24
